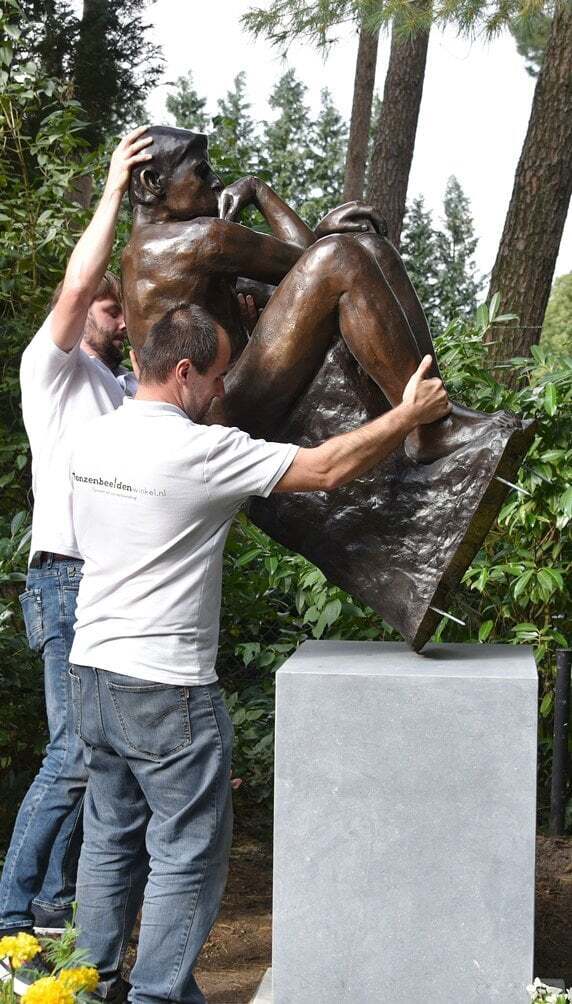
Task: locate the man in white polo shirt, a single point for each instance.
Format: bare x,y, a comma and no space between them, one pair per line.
154,495
69,375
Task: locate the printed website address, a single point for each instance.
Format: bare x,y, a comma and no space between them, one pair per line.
118,485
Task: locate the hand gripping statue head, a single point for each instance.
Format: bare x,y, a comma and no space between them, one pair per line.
338,339
179,183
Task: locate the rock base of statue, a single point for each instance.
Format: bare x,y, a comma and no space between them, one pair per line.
401,537
404,830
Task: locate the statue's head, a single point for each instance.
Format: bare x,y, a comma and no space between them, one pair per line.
179,180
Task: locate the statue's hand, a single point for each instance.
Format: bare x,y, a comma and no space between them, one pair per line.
352,218
236,197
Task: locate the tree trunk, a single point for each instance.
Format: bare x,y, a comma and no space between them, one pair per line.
361,115
396,129
528,249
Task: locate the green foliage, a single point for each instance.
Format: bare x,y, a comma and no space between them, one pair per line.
458,282
285,20
114,65
531,36
234,128
62,952
327,144
282,21
420,249
104,56
185,105
285,139
441,262
557,328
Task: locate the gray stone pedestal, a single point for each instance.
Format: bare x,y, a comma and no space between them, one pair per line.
404,824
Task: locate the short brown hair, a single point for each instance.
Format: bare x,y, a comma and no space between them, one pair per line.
109,288
184,332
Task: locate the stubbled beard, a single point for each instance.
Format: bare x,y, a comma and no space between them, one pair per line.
101,341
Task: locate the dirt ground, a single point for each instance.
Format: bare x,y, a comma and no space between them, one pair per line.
239,950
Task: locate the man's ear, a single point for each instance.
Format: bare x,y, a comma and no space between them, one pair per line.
146,187
183,369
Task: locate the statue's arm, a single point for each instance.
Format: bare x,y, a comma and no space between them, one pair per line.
283,221
218,246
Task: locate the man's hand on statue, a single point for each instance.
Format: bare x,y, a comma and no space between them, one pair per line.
352,218
248,311
426,396
236,197
130,151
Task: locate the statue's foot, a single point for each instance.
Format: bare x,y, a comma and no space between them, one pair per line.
428,443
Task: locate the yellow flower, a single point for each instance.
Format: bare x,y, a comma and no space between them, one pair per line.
48,990
19,948
82,978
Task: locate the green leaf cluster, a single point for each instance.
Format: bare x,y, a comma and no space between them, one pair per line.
440,260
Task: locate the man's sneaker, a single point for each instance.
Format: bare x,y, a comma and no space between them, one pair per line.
48,922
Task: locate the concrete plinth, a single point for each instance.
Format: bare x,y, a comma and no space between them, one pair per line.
404,824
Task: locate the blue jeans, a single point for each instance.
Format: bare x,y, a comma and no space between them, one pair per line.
41,863
157,827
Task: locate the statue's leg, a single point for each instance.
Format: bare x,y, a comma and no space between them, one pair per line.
336,284
391,264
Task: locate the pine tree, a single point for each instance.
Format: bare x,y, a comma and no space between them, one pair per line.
285,144
233,142
420,249
114,66
326,159
186,107
531,37
105,55
458,285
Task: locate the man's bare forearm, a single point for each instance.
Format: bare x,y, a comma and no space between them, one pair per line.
342,458
347,456
92,252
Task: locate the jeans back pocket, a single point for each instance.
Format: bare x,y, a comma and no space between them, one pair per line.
31,603
153,717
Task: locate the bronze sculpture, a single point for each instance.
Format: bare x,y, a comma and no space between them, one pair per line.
335,343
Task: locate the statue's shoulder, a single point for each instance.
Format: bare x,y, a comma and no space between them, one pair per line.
161,237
